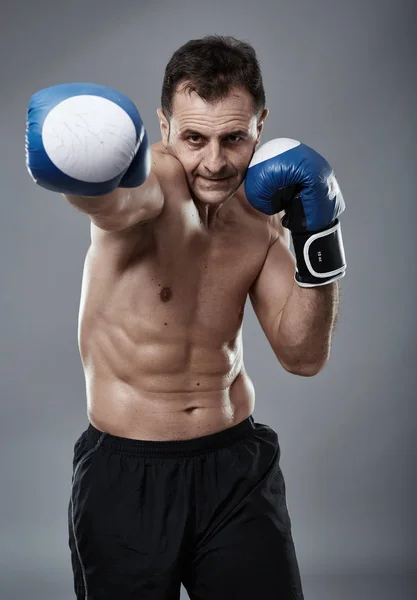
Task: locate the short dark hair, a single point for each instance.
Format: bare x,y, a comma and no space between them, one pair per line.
212,66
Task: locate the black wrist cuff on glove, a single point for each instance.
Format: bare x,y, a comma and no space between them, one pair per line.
320,256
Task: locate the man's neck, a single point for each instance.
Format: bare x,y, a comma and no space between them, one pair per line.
209,215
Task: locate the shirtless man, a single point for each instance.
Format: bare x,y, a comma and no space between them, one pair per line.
173,480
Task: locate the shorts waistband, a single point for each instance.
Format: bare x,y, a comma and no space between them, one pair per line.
174,448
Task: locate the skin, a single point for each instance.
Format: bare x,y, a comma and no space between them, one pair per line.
214,142
162,302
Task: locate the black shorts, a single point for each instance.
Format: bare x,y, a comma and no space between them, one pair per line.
209,513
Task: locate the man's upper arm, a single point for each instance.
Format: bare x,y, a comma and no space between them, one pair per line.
273,285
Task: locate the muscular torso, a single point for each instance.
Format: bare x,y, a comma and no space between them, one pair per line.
161,313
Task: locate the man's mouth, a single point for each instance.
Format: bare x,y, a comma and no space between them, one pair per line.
217,180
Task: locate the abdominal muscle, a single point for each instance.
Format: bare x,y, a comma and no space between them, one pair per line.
167,406
134,413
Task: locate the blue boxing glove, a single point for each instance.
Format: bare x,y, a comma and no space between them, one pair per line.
287,175
85,139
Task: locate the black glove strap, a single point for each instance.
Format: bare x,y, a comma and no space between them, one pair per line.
320,256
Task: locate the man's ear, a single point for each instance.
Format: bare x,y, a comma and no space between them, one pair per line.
261,123
164,126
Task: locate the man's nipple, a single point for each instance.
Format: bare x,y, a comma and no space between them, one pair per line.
165,294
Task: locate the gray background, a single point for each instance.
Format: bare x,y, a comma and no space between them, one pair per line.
338,76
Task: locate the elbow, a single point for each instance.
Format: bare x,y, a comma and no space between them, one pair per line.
304,370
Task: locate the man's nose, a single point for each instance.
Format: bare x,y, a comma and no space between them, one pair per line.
215,160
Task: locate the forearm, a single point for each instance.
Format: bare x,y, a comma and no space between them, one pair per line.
123,207
303,337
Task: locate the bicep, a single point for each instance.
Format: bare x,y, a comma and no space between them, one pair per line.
272,287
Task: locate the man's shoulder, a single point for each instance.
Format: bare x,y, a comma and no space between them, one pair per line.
271,223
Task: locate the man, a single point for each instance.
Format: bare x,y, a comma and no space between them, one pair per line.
173,480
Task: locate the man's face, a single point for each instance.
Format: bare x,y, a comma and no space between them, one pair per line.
213,141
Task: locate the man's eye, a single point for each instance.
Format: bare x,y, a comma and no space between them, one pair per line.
195,139
233,138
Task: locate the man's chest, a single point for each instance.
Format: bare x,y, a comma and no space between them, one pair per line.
200,279
181,276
